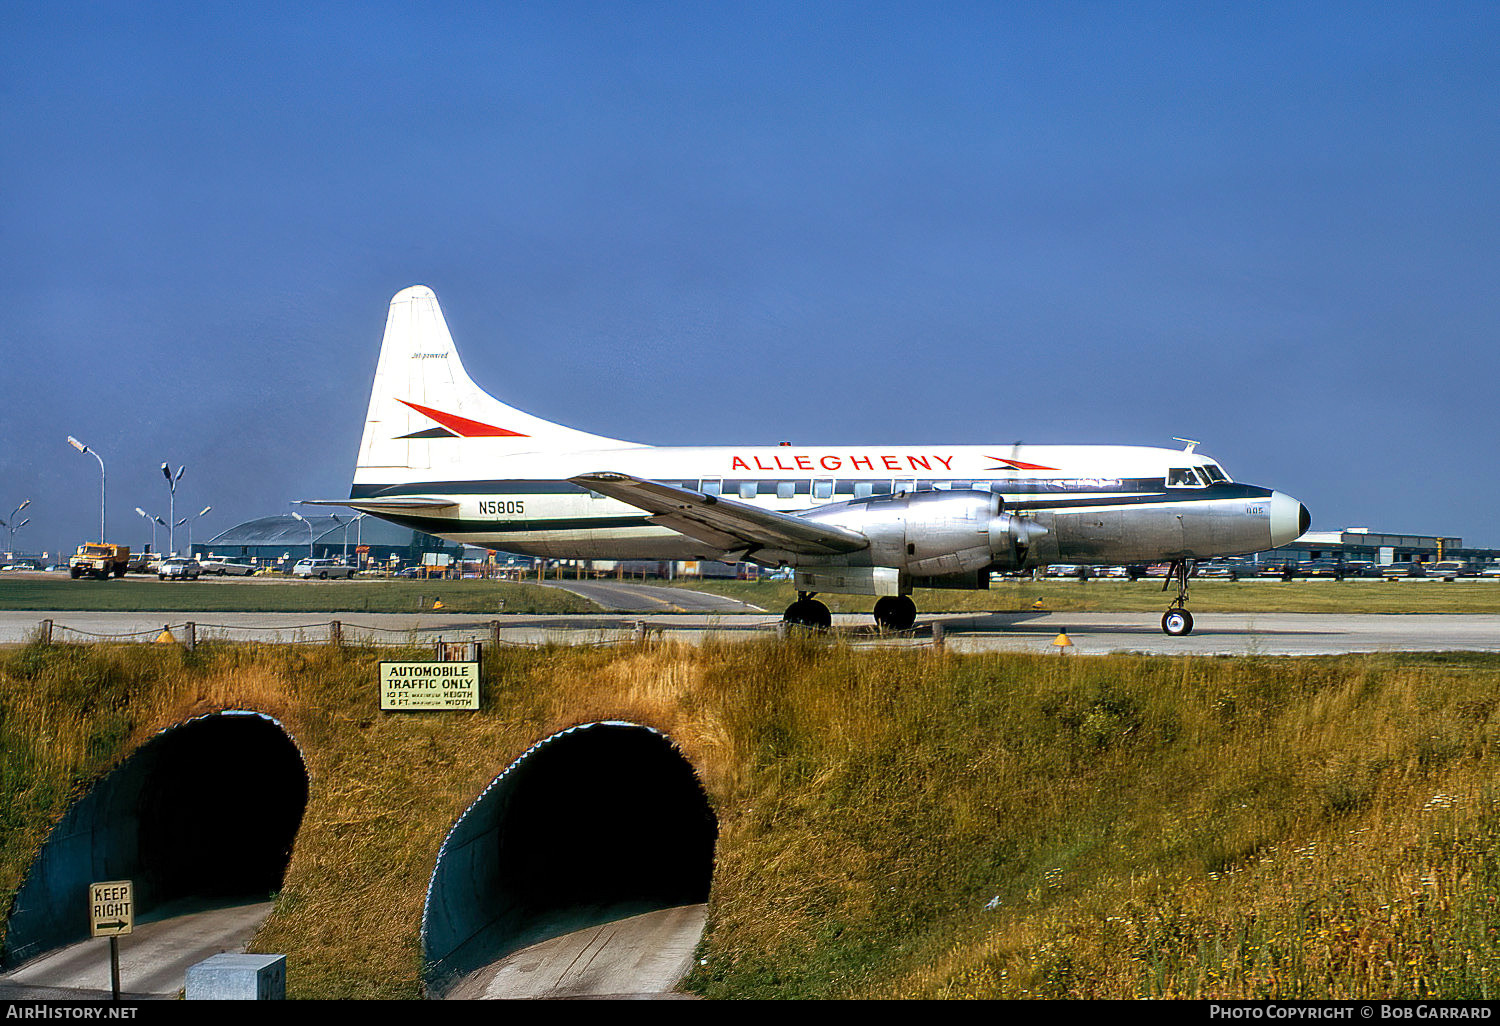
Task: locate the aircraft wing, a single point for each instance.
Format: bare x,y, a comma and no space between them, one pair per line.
393,504
721,522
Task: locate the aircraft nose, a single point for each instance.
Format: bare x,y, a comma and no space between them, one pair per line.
1289,519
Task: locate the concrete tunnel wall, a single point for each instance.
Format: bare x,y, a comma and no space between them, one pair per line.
599,821
206,810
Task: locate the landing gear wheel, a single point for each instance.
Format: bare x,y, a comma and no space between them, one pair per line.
1177,622
807,612
895,613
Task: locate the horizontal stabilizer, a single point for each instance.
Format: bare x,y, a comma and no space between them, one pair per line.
394,504
721,522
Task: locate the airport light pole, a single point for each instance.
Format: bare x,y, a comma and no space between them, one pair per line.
11,525
172,504
354,520
75,443
190,520
302,518
153,521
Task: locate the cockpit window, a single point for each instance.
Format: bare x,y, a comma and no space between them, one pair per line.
1183,477
1214,474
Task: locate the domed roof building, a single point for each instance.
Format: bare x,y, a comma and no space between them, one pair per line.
285,539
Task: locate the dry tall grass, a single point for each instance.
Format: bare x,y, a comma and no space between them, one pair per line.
892,823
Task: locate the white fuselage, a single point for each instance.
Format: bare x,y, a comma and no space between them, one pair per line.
1101,504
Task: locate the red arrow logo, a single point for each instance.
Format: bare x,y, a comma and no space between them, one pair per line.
463,426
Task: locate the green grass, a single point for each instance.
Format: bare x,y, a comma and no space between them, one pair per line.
400,596
1120,596
261,595
892,824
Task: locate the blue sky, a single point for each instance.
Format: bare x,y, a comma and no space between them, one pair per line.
1271,227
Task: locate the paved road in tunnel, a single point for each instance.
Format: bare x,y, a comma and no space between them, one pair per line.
641,956
154,959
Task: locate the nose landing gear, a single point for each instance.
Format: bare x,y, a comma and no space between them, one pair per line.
1177,621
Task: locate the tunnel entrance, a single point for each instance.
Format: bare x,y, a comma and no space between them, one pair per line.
591,825
204,812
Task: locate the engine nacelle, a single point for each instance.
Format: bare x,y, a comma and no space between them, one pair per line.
935,534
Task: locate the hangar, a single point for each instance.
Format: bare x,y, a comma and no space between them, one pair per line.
285,539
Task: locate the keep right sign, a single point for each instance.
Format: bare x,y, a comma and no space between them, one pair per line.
111,908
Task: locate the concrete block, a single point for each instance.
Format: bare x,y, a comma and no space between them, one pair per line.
238,978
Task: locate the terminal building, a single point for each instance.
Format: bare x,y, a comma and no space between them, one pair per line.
283,540
1360,544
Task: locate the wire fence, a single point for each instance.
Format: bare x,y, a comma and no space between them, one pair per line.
190,633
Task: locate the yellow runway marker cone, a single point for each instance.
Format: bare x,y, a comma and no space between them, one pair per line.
1062,642
165,637
437,603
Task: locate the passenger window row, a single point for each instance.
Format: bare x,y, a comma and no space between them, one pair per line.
828,488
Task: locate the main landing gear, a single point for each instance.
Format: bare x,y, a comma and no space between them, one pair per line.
892,612
1177,621
895,612
808,612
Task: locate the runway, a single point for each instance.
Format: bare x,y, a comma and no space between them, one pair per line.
1267,634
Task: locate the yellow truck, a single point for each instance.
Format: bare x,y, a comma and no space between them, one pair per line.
98,559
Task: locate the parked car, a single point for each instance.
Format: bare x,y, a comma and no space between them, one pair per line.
226,567
322,569
1233,569
1451,568
180,568
1320,568
1403,570
1493,570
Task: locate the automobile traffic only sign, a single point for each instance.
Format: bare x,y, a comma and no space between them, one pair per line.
414,687
111,908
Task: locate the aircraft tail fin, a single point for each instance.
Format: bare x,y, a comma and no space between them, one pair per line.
426,412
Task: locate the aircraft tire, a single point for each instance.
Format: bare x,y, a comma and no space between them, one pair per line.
895,613
808,613
1177,622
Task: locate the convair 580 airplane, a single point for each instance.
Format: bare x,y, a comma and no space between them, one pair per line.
442,456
